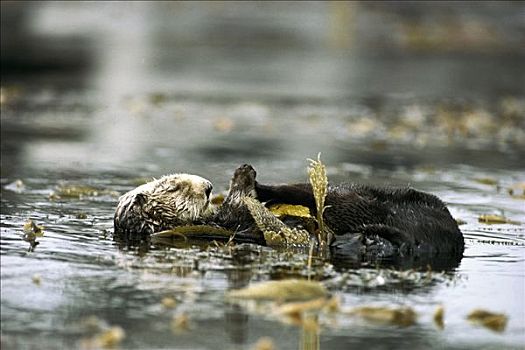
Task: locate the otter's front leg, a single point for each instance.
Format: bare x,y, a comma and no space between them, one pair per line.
233,213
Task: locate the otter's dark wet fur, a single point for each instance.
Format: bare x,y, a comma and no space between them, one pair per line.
371,222
377,221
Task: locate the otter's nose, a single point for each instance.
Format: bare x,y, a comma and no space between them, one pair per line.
208,191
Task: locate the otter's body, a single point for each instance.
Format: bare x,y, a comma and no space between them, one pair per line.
377,220
369,222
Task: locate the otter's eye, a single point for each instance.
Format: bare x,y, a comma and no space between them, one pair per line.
208,191
173,189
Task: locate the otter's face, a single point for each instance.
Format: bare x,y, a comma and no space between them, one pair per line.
183,197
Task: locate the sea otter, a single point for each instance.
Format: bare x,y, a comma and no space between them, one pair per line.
366,221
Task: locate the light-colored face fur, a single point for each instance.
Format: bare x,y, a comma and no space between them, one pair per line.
175,198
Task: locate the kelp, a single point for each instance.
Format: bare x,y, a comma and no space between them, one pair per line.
401,316
103,336
194,231
439,316
517,191
168,302
17,186
319,182
79,191
36,279
290,210
496,219
284,290
275,231
493,321
486,181
264,343
180,323
31,232
110,337
297,308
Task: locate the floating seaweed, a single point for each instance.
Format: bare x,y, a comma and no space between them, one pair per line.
17,186
496,219
36,279
486,181
517,190
194,231
494,321
438,317
101,334
402,316
31,232
32,229
110,337
168,302
298,308
180,323
80,191
285,290
264,343
81,215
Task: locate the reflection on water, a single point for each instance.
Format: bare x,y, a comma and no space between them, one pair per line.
181,87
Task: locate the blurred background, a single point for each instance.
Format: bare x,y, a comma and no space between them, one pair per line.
154,84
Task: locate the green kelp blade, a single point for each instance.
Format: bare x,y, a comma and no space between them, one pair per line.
283,209
195,231
276,233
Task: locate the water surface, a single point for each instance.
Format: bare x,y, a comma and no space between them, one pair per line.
84,273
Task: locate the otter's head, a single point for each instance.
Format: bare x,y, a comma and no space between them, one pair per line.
242,184
179,197
165,203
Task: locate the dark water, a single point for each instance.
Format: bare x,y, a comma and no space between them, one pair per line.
450,124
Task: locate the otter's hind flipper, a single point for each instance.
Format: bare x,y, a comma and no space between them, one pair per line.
401,240
373,240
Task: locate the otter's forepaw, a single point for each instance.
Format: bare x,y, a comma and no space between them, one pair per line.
245,172
242,184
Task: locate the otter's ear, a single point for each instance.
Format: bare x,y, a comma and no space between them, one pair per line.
140,199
